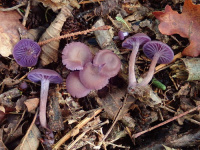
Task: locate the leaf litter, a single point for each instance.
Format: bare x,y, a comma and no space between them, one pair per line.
110,118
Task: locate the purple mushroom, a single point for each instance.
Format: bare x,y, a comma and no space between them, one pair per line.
109,61
92,78
26,52
74,85
134,42
121,35
46,76
76,55
160,53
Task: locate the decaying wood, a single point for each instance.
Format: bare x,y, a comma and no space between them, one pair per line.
6,97
187,69
50,51
53,112
104,38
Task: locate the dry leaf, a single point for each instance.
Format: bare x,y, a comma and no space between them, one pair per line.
31,104
49,52
54,4
9,34
20,103
186,24
2,146
31,141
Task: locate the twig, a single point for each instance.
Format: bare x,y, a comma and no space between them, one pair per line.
165,122
10,135
13,8
83,134
74,34
27,13
87,2
29,129
75,131
116,119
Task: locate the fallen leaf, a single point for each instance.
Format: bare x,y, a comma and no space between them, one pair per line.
186,24
54,4
2,145
9,34
49,52
31,141
31,104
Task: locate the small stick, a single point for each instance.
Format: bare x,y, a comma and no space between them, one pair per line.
87,2
74,34
162,66
13,8
83,134
26,14
165,122
76,128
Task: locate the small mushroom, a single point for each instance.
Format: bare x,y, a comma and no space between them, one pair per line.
74,85
92,78
134,42
76,55
121,35
46,76
160,53
26,52
109,61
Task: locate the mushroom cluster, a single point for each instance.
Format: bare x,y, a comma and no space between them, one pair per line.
157,51
88,74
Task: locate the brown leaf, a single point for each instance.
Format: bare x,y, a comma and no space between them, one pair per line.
31,104
9,34
49,52
2,146
31,141
54,4
186,24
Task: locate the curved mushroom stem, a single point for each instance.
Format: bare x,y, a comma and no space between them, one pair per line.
43,102
132,60
150,73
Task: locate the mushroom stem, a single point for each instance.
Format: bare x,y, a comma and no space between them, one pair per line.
43,102
150,73
132,60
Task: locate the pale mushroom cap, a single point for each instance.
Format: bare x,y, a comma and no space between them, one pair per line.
37,75
165,52
91,77
109,61
76,55
74,85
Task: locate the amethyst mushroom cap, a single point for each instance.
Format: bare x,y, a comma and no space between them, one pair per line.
46,76
159,52
92,78
74,85
76,55
26,52
109,61
134,42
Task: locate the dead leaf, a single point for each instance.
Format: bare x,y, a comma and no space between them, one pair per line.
10,82
54,4
31,104
186,24
20,104
2,146
9,34
49,52
31,141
